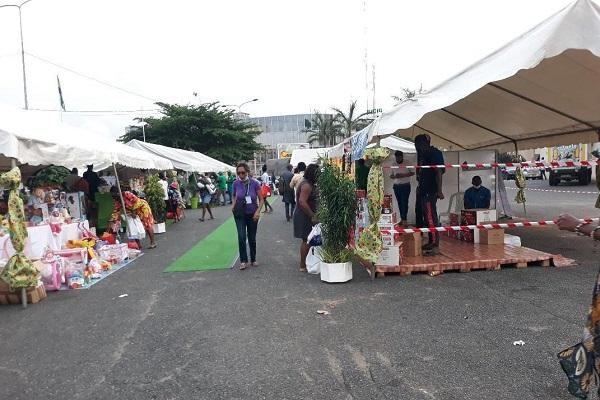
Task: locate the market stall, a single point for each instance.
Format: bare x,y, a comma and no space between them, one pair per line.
184,160
537,90
53,230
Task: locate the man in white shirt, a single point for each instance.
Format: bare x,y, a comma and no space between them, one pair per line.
298,176
165,185
401,178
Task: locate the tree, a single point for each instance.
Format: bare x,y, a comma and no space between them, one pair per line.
349,123
324,129
206,128
408,94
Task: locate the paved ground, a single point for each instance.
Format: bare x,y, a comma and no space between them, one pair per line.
255,334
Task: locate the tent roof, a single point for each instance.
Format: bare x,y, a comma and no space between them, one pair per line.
308,156
396,143
191,161
38,139
541,89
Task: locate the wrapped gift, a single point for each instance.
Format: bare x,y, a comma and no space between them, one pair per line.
75,255
387,205
114,253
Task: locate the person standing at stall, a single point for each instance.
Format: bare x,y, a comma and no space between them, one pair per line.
362,174
93,181
298,176
305,215
287,194
401,178
247,203
429,189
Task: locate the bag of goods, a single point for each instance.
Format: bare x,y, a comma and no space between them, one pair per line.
114,253
109,238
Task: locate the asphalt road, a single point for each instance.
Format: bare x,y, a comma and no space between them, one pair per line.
256,334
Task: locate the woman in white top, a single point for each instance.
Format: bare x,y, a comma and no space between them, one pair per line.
266,181
401,178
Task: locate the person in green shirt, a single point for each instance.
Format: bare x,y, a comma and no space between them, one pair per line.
362,174
222,186
230,180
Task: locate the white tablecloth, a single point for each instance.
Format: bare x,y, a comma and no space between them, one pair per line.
40,237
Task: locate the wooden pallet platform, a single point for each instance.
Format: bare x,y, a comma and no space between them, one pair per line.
461,256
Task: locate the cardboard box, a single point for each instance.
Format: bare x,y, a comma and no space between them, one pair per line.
390,256
474,217
386,227
411,244
491,236
388,218
391,238
387,205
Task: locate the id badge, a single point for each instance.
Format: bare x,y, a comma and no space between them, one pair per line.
248,200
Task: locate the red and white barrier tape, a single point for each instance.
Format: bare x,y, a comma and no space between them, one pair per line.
556,191
554,164
478,226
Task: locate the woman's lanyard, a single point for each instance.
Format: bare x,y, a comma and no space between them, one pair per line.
248,198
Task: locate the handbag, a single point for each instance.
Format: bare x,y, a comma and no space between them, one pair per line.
239,209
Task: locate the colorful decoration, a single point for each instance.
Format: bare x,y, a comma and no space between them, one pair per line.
520,182
369,244
19,271
581,362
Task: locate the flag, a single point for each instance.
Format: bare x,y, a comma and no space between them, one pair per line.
62,101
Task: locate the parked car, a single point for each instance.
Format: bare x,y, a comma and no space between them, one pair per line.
532,173
581,174
529,173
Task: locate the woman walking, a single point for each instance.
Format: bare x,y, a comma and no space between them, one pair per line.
305,214
266,188
247,202
207,189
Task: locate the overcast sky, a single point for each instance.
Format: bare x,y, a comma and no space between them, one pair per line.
295,56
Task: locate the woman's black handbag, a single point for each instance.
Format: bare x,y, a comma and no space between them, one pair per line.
239,209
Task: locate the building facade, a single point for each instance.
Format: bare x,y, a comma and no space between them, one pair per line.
281,129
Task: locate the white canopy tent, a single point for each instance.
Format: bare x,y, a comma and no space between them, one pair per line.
307,156
38,139
190,161
541,89
395,143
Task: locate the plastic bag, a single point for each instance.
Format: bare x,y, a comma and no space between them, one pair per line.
136,228
314,237
313,260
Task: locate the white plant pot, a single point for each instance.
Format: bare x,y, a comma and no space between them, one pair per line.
160,228
336,273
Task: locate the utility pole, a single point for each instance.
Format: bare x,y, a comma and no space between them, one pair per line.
18,6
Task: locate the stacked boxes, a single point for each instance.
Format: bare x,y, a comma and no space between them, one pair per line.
474,217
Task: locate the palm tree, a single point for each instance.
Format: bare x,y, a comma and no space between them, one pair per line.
349,122
324,129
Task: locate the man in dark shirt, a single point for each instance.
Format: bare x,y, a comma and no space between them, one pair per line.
93,181
362,174
477,196
287,194
430,189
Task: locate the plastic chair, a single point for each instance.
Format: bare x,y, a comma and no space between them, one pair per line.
455,205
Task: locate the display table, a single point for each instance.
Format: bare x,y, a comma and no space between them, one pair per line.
41,237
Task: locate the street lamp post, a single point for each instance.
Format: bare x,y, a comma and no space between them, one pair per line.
18,6
239,106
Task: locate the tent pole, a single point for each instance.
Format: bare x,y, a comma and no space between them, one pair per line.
13,164
121,197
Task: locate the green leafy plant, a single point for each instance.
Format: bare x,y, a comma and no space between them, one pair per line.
337,212
52,176
155,196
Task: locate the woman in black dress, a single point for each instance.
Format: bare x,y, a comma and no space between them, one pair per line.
305,214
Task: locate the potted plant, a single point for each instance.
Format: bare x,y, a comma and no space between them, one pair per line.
155,196
336,213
